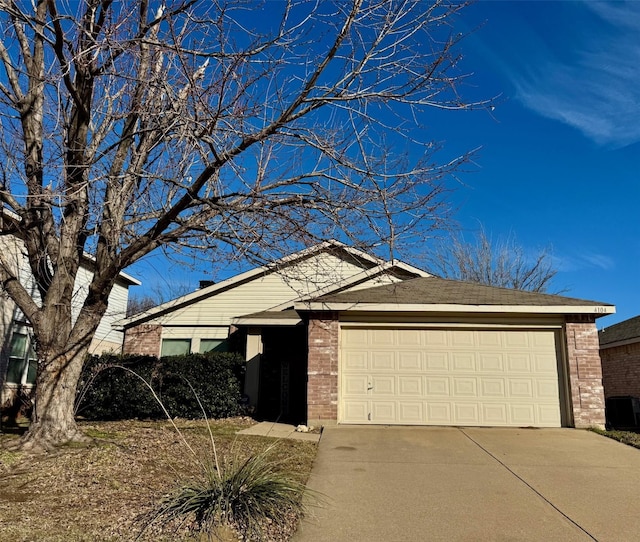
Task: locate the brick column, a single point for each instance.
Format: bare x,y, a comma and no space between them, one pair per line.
143,339
585,371
322,372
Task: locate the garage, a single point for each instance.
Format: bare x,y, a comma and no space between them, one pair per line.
432,351
440,376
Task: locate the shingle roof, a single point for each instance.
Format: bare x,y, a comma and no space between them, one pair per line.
622,331
437,291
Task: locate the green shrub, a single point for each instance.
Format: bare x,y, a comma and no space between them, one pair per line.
106,391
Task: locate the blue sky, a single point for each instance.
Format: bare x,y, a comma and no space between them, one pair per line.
560,161
559,158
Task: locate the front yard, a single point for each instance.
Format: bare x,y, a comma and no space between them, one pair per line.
100,492
629,438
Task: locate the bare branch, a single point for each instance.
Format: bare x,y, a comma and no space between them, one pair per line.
504,263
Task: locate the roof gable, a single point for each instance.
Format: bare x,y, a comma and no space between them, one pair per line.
323,268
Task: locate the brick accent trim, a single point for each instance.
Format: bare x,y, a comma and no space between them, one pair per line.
585,372
322,372
143,339
621,370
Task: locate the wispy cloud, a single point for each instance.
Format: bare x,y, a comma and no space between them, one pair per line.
595,85
584,260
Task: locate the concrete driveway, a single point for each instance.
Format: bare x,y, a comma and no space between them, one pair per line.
403,484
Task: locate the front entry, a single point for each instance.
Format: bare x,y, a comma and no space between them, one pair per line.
283,375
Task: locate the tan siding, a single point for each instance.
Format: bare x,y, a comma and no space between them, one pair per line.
262,293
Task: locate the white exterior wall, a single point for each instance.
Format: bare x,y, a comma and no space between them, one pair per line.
105,339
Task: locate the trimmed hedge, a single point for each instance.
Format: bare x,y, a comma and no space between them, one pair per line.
106,391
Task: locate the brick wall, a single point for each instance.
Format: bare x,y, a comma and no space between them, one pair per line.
322,383
585,372
143,339
621,370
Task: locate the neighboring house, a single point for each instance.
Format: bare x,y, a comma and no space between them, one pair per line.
17,356
620,353
333,335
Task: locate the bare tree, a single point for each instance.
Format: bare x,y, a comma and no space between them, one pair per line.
158,294
503,263
192,125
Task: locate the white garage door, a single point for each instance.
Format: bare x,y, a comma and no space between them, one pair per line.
449,377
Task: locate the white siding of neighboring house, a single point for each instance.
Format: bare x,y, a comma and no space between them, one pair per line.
106,338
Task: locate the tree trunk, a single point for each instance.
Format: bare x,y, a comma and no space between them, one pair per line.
53,422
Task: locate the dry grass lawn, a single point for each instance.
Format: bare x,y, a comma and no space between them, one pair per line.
629,438
100,492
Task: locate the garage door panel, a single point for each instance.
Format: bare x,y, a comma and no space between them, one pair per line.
545,363
493,362
383,412
383,385
463,361
355,385
490,339
355,360
523,414
436,361
520,387
434,337
410,386
449,377
466,413
383,361
518,363
517,339
462,338
382,337
438,413
409,361
356,337
495,414
437,386
409,337
548,416
465,387
493,387
411,412
356,411
547,340
547,388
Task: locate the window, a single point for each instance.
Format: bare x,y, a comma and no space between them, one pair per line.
213,345
22,365
175,347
